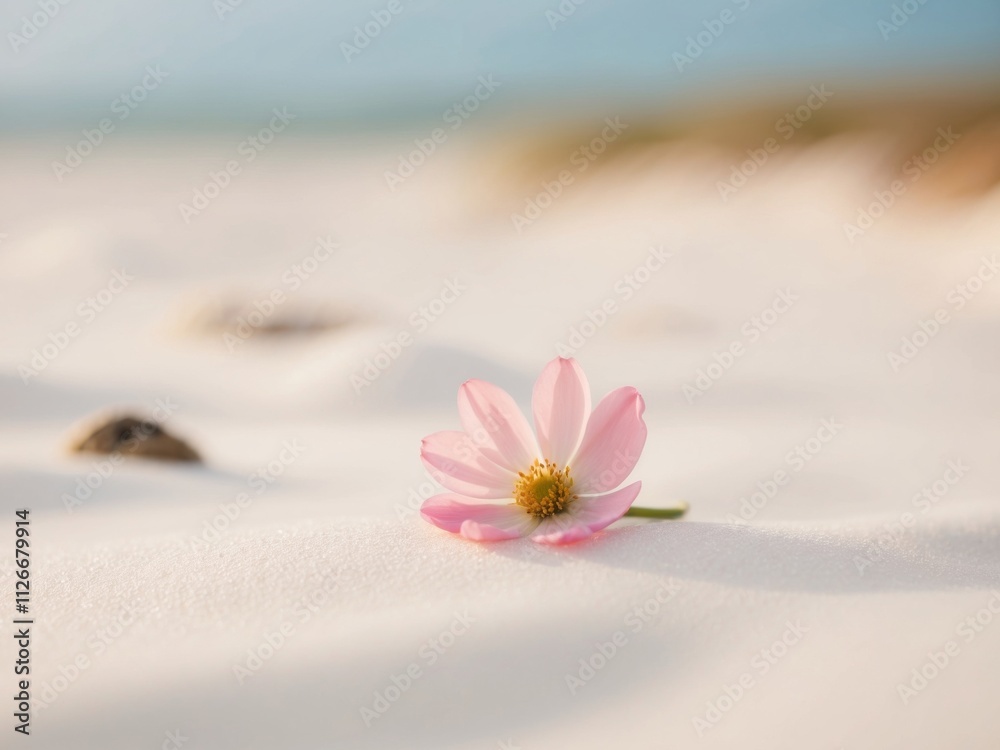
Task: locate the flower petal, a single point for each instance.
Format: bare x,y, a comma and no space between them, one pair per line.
561,405
455,462
612,443
495,423
478,521
562,528
598,511
484,532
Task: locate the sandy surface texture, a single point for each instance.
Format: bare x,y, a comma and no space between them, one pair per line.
835,585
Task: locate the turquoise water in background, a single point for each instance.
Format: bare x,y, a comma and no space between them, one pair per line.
231,61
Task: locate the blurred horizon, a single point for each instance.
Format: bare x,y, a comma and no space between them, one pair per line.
228,62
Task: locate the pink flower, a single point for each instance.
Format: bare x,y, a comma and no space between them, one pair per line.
558,485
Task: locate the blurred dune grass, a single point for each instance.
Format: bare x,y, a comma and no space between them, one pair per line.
902,126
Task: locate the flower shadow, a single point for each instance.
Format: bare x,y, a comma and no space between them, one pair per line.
830,561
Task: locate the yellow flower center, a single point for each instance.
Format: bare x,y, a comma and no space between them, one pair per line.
544,489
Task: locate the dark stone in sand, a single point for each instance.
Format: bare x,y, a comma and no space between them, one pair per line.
132,436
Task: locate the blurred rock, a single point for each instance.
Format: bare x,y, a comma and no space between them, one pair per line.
132,436
242,319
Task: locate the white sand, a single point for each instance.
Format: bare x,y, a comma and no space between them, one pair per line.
342,509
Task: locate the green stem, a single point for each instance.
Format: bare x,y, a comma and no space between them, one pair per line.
663,513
